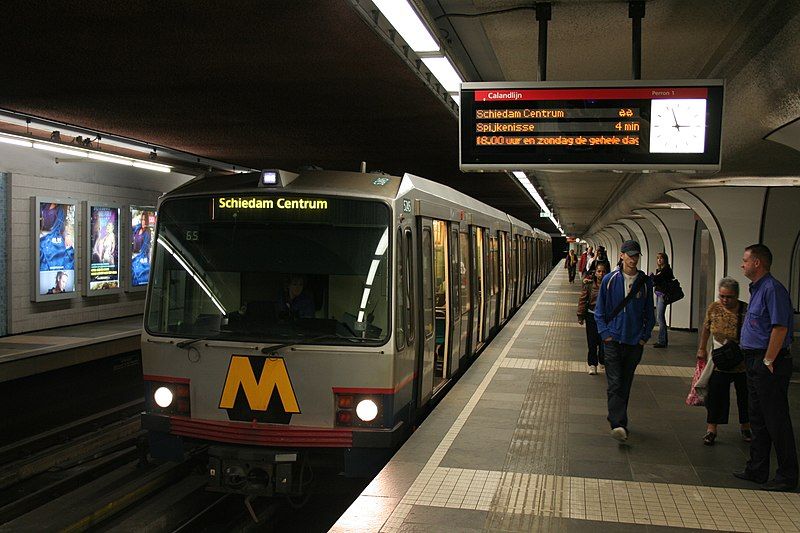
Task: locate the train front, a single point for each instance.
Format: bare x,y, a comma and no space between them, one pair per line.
265,326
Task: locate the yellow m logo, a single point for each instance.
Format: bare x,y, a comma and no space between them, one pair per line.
258,393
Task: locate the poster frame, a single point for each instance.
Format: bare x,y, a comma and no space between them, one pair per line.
129,287
87,238
35,201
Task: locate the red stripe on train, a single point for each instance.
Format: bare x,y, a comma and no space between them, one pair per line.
262,434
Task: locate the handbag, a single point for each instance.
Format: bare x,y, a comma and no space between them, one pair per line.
694,399
674,292
729,355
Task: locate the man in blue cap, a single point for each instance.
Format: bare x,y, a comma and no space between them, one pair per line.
625,319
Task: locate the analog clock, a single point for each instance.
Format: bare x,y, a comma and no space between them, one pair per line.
677,126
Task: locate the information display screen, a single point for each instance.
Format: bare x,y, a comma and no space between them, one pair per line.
605,125
56,252
104,247
143,227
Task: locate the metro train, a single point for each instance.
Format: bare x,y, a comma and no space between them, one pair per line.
290,315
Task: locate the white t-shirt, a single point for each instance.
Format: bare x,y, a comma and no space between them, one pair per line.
629,280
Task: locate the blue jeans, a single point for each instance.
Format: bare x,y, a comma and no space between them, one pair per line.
621,362
661,310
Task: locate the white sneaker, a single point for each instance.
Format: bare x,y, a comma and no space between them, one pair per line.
592,370
619,434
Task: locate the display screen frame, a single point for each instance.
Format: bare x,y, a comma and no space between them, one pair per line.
90,242
36,255
130,235
494,158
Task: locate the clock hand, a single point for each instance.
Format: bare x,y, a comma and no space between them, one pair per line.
676,126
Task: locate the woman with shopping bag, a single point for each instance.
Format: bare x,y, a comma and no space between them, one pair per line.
723,324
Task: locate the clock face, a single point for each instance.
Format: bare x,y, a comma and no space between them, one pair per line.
677,126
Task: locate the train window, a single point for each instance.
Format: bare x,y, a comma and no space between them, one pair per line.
272,270
466,285
410,307
401,293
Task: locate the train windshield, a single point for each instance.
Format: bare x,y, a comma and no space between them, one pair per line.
284,269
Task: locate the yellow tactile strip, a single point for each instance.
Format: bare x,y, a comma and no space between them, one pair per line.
551,365
545,323
606,500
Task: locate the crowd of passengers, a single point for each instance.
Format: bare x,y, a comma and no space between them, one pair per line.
749,348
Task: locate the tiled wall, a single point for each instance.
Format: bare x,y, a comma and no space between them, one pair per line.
34,174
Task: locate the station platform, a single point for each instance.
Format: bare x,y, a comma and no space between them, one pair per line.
521,443
37,352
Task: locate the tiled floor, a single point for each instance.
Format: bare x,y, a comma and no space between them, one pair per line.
521,444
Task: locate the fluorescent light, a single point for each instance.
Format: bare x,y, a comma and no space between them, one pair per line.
151,166
520,175
110,159
408,24
59,149
365,297
456,97
16,141
445,72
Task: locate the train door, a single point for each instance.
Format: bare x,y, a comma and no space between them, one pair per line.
442,297
503,277
494,284
454,318
534,263
465,266
476,234
513,286
486,285
518,266
427,334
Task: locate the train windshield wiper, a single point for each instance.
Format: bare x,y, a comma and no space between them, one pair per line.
189,342
331,336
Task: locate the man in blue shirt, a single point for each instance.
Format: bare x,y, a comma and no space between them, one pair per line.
625,319
765,340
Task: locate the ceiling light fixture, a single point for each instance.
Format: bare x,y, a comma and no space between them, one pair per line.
17,140
445,72
402,16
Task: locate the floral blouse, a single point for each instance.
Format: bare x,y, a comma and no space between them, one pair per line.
723,325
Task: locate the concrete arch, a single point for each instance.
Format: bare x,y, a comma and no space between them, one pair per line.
638,234
655,243
624,232
651,217
614,242
712,224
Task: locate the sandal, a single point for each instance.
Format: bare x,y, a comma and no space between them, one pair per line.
747,435
709,437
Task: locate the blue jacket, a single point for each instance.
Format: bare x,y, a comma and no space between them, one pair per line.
635,321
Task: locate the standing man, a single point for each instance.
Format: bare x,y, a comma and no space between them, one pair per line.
582,261
625,320
765,340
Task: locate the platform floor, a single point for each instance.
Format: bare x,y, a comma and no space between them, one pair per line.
521,443
21,355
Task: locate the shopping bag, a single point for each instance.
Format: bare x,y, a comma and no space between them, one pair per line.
694,399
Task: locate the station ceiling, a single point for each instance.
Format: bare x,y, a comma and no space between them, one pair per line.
307,82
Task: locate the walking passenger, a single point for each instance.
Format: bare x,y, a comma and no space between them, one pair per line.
625,320
723,324
571,265
765,340
662,275
586,306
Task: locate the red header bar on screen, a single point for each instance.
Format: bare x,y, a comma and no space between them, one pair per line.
625,93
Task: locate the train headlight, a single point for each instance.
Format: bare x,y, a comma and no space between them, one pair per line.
163,397
367,410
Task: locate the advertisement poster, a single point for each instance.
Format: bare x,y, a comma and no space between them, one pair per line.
56,248
143,227
104,246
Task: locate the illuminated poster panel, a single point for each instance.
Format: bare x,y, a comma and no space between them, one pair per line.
142,228
102,248
53,249
620,125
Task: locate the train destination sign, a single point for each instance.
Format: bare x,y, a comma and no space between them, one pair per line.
633,125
